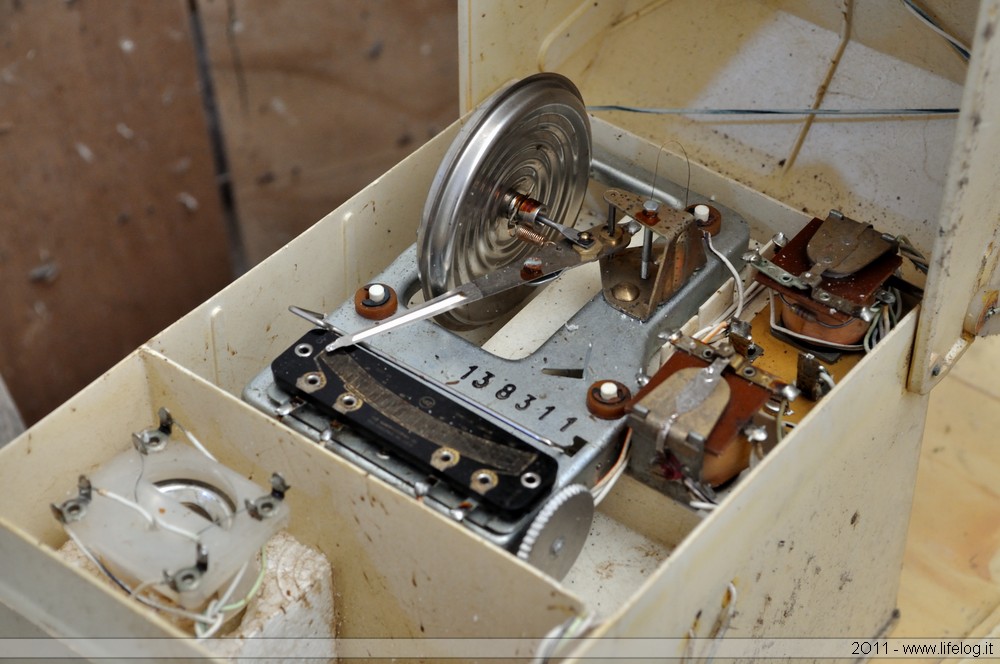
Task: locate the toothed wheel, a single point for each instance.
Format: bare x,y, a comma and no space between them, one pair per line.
556,536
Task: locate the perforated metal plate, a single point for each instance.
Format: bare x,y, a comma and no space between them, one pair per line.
532,138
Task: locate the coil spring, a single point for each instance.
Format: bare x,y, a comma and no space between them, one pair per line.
527,235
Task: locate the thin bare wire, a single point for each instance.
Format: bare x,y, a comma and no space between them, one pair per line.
656,169
838,112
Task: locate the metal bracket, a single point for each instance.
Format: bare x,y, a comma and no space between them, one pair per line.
808,281
741,338
739,364
981,319
680,254
779,274
680,413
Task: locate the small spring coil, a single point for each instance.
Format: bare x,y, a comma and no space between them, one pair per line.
527,235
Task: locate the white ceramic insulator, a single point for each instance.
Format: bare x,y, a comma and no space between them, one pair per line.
609,391
376,292
702,212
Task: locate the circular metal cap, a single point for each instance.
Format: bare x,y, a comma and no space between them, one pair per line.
532,138
557,535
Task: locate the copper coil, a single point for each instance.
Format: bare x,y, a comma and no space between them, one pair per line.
527,235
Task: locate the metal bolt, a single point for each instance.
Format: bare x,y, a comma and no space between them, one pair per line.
650,206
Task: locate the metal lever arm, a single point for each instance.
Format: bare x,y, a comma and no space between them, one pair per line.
544,262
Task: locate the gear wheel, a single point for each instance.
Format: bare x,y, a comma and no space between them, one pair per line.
557,534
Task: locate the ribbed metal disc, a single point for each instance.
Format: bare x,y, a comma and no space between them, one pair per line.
533,137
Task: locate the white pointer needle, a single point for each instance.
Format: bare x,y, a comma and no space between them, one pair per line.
429,309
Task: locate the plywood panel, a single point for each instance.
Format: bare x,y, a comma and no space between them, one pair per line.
110,223
318,98
951,572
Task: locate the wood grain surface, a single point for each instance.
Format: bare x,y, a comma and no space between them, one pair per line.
110,221
318,98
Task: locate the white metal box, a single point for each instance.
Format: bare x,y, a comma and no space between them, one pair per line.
811,539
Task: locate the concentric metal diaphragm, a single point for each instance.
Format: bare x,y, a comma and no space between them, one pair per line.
531,138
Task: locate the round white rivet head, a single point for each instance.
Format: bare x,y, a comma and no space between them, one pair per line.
702,212
650,206
376,292
609,391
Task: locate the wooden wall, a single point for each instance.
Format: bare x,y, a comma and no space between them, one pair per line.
110,222
113,222
320,97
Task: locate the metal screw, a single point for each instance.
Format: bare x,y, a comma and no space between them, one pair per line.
650,206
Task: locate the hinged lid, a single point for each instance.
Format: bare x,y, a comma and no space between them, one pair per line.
928,176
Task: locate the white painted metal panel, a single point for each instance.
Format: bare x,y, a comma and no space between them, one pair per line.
963,271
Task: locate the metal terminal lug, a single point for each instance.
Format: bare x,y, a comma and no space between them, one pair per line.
885,297
812,379
279,486
265,506
154,439
288,407
317,319
742,340
74,509
188,578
